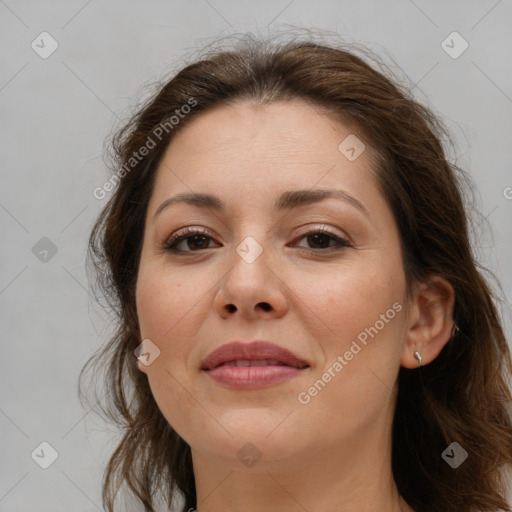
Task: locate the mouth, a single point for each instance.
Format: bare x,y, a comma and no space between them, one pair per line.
247,362
252,365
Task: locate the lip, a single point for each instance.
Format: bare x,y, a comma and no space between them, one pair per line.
217,364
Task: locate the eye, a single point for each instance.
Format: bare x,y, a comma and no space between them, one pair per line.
320,239
194,238
197,239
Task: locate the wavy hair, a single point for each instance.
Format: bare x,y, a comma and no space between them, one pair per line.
464,395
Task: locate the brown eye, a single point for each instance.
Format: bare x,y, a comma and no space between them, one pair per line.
320,240
193,240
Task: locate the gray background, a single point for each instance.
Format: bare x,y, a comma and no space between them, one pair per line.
56,113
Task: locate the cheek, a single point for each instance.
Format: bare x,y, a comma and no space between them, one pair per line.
162,306
345,312
348,300
161,299
171,307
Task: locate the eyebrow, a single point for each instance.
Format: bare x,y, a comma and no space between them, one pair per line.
286,201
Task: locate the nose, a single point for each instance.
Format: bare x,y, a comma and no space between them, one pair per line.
251,290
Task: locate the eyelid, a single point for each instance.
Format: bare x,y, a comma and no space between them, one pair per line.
186,232
198,230
342,241
323,228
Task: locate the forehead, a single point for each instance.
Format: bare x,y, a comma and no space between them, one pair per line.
244,152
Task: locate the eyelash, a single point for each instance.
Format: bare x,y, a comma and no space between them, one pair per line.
187,233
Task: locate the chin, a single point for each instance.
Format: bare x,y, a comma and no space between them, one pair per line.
257,453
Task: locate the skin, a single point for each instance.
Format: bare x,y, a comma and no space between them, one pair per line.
333,453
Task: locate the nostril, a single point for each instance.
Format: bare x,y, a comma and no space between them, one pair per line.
266,306
231,308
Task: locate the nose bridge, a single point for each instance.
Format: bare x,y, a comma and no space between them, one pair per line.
252,240
250,281
250,259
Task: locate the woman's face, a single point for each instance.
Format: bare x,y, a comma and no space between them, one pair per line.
269,265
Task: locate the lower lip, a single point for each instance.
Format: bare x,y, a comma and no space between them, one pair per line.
251,377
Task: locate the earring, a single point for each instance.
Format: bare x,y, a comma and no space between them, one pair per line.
455,329
417,355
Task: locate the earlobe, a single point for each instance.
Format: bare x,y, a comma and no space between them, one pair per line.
430,322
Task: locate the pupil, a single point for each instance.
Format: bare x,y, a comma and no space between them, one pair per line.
317,236
194,239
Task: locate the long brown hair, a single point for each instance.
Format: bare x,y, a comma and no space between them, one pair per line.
464,395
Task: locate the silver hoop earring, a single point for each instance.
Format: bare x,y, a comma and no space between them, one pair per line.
417,355
455,329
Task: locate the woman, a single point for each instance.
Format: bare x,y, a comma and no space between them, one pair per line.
302,325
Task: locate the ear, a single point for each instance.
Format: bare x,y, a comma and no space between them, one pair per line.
430,321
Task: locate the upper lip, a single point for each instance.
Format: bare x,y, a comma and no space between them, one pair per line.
253,351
